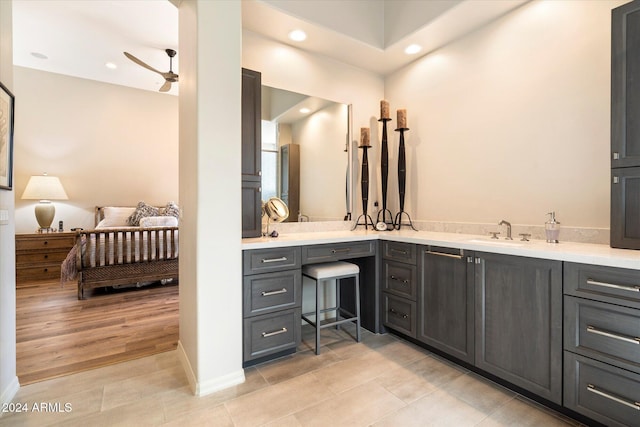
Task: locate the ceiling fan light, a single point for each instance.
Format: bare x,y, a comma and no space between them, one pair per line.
111,65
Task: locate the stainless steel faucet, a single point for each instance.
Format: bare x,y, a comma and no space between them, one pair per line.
508,224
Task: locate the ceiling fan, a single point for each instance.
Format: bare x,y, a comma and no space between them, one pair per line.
169,76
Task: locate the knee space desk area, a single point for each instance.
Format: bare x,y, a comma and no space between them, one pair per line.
559,323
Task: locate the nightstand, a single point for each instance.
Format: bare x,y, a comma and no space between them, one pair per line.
39,255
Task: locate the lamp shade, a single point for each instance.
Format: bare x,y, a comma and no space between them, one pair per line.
44,187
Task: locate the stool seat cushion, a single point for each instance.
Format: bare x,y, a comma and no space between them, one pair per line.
330,270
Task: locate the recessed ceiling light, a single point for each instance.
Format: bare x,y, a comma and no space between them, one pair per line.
111,65
305,110
412,49
298,35
39,55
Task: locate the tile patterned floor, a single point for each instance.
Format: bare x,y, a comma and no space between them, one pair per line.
381,381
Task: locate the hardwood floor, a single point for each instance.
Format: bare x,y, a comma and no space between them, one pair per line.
56,334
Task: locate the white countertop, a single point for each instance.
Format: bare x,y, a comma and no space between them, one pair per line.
585,253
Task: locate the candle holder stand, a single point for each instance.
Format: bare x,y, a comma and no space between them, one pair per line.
402,182
364,187
384,166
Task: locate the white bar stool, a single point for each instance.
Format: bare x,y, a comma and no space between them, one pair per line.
321,273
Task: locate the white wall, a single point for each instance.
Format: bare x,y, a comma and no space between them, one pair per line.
8,380
513,120
210,182
109,144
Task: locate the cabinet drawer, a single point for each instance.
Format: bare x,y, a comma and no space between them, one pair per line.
268,292
604,331
399,314
400,279
41,243
609,284
271,333
603,392
41,272
266,260
404,252
337,251
40,257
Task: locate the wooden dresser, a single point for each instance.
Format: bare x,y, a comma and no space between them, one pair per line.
39,256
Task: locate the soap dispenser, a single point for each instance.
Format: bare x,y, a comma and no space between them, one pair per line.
552,228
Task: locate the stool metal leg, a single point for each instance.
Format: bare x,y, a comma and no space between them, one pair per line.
338,302
357,284
317,317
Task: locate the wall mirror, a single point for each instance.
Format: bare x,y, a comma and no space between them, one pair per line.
306,155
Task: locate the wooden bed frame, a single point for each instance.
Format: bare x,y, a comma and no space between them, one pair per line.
121,269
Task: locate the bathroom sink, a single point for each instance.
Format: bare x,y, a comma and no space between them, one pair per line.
496,242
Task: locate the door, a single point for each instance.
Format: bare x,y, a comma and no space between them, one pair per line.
625,208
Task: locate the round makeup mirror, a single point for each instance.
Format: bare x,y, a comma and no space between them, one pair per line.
276,211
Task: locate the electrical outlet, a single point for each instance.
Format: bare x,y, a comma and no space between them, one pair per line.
4,217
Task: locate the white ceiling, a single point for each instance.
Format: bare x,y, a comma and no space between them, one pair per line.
79,37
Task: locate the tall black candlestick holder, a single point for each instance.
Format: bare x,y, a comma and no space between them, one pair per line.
384,166
364,182
402,182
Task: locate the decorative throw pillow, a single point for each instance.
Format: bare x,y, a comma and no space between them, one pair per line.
172,210
158,221
116,216
142,210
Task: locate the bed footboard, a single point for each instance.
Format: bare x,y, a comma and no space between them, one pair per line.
110,257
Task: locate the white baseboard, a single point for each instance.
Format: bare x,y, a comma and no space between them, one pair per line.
9,392
210,386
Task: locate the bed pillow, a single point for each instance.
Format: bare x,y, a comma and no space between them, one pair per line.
116,216
158,221
141,211
172,210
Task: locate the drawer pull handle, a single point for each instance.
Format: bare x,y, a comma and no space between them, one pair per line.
268,260
45,243
270,334
276,292
612,285
399,251
398,279
335,251
404,316
633,405
595,330
444,254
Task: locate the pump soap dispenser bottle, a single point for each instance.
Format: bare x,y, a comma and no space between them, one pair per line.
552,228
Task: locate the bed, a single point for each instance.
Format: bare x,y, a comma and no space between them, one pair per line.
116,254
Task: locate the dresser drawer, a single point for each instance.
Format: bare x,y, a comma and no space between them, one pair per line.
41,257
403,252
41,272
44,242
337,251
271,333
399,279
399,314
269,292
273,259
608,284
607,332
602,392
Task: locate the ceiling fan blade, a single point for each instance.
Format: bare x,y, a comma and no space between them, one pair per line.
166,86
142,64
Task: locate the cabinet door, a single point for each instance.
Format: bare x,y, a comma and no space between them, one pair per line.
625,208
519,321
251,209
625,85
251,125
445,302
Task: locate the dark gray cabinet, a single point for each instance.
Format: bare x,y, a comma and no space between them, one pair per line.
446,301
272,303
251,153
602,343
625,126
518,322
399,287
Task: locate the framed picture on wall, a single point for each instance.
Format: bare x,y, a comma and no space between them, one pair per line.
7,102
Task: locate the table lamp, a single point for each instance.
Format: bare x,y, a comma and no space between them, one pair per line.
44,188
